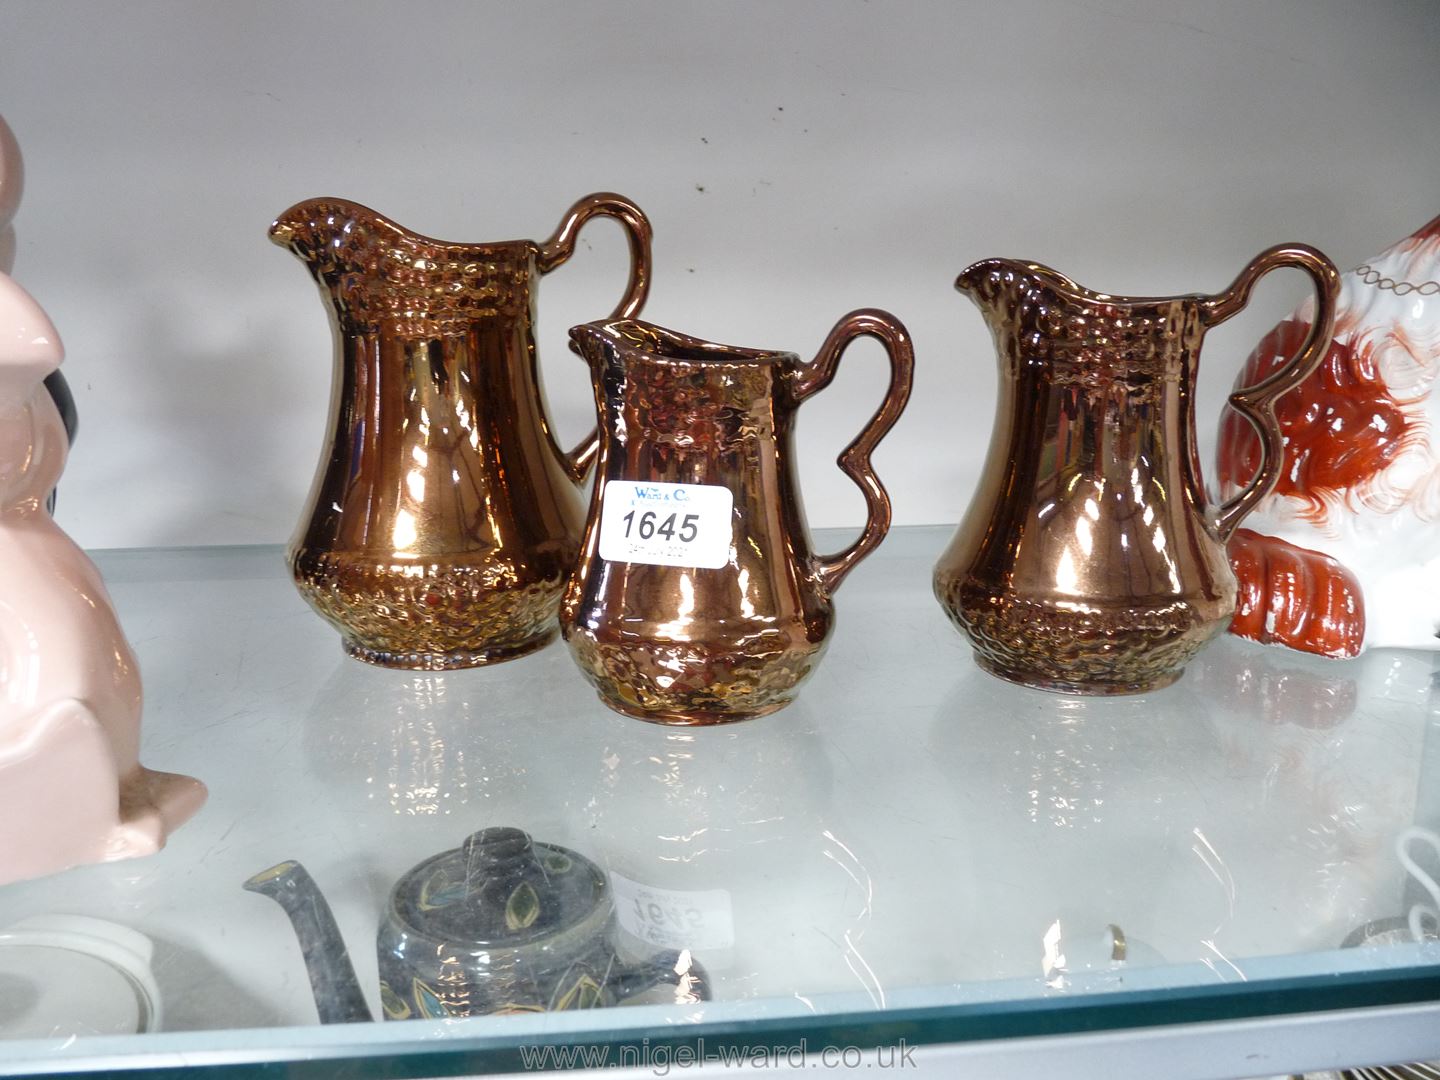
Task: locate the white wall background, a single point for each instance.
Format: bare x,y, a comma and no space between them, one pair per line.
797,159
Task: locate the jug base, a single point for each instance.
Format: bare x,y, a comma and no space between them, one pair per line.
448,661
691,717
1038,680
694,683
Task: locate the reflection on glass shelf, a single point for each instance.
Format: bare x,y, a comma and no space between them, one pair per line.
1209,820
910,833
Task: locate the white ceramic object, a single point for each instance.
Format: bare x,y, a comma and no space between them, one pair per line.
72,789
64,975
1418,914
1345,555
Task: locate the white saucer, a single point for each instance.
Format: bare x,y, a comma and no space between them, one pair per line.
63,975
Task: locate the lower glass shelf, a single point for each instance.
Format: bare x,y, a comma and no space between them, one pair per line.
913,851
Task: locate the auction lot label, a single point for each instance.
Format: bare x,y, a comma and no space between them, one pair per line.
666,524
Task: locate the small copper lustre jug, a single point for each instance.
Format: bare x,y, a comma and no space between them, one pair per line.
697,598
1091,560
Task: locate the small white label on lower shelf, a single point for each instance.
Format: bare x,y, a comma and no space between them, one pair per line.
666,524
673,918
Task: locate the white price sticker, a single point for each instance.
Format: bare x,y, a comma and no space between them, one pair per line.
666,524
672,918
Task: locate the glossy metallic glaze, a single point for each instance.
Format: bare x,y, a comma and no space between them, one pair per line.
687,645
444,517
1090,560
1294,596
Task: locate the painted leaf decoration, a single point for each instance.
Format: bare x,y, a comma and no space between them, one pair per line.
439,891
427,1001
393,1004
557,863
523,907
585,994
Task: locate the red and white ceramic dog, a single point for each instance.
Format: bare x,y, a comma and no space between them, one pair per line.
1345,554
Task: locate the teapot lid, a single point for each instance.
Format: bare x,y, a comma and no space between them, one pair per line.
501,888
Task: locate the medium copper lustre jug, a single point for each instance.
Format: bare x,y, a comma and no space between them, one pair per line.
697,598
1091,560
444,517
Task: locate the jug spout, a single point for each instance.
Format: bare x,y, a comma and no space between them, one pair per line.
1000,288
338,996
994,284
590,341
986,281
311,228
990,281
973,275
339,237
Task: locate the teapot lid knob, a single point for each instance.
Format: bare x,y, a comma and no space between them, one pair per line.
492,848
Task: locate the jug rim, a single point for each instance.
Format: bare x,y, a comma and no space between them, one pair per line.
671,346
282,229
1056,280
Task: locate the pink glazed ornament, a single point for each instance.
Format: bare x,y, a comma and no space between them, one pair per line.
1345,555
72,789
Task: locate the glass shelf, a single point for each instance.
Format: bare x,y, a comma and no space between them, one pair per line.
914,850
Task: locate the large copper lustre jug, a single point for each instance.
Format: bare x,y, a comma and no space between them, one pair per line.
444,517
697,598
1091,560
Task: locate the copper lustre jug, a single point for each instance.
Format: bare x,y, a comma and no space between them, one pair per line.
697,598
1091,560
444,517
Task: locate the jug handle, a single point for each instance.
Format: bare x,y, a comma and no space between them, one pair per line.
555,251
1257,403
854,460
676,969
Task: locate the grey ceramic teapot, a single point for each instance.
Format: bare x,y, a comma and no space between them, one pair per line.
502,924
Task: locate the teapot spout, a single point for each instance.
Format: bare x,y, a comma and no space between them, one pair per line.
338,997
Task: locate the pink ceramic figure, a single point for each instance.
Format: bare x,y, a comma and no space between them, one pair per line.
1345,555
72,789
